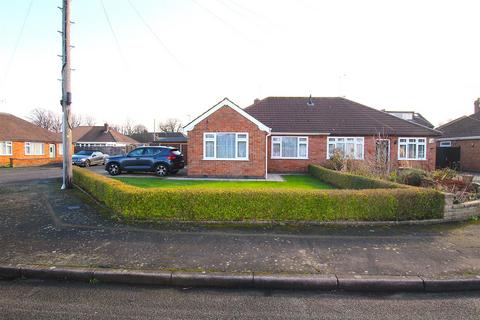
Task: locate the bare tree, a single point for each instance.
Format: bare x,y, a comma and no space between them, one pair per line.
89,121
139,128
53,121
77,120
46,119
170,125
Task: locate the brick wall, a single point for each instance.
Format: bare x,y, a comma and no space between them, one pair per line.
19,159
317,154
469,154
226,119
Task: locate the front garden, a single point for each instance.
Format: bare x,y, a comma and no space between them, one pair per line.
356,198
290,182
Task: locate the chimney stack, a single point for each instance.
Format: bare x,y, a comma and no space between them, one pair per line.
256,100
106,127
477,105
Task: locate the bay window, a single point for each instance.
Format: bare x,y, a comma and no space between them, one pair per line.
412,148
289,147
34,149
348,147
225,146
6,148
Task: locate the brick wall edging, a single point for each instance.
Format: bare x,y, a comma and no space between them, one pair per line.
460,211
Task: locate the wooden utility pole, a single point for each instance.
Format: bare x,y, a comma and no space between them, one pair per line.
66,98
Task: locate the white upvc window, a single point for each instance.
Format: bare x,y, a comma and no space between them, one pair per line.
225,146
6,148
348,147
289,147
60,149
412,148
34,149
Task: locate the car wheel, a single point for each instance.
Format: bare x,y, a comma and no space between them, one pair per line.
113,169
87,164
161,170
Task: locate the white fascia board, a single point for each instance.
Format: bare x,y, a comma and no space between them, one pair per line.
459,138
300,134
228,103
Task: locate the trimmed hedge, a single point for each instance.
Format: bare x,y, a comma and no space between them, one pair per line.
261,204
350,181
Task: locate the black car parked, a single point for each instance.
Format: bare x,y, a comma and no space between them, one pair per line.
160,160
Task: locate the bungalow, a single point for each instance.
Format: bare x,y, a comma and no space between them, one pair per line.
459,145
102,138
286,134
24,144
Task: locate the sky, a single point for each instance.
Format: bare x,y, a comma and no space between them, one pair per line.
141,60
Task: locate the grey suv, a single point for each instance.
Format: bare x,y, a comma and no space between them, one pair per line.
160,160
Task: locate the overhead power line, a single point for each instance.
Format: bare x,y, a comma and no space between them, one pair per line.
152,31
117,42
17,42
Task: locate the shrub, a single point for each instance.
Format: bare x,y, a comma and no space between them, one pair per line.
348,180
261,204
411,177
443,174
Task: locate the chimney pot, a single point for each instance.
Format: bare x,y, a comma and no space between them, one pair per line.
106,127
477,105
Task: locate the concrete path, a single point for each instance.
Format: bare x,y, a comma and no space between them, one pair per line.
41,225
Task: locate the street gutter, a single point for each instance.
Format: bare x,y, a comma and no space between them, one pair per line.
251,280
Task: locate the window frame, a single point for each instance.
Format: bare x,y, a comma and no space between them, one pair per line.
355,143
298,157
7,144
214,140
445,144
417,143
30,145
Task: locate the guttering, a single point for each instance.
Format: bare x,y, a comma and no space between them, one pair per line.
300,134
459,138
266,155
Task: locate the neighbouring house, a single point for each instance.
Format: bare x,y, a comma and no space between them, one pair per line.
170,139
459,145
102,138
286,134
412,116
24,144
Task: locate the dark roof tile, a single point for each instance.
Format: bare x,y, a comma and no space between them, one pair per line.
16,129
333,115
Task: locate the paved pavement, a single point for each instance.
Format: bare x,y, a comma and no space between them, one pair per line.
41,225
12,175
54,300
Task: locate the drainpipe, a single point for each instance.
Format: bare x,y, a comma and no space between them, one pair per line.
266,154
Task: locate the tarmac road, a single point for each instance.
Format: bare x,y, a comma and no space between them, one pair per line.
61,300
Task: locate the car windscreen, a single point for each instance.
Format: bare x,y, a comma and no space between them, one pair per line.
84,153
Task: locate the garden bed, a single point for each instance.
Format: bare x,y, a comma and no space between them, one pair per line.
382,201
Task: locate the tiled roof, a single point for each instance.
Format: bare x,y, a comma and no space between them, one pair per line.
332,115
98,134
15,129
466,126
161,137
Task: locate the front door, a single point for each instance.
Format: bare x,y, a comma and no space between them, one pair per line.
51,150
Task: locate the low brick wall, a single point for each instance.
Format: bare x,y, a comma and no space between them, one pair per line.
32,162
461,211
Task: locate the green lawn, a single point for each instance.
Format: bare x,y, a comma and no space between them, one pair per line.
291,181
